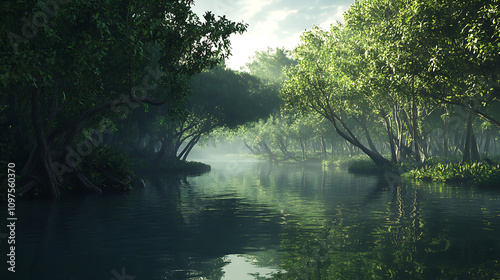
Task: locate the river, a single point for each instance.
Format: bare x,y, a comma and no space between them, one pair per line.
255,220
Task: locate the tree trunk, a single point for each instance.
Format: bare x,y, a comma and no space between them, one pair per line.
159,155
486,144
47,168
333,148
445,137
190,146
369,138
86,182
416,137
378,159
284,149
470,148
391,138
266,148
303,149
253,151
474,149
323,146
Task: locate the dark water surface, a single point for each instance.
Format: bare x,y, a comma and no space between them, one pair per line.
248,220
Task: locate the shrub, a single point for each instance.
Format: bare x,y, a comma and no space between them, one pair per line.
107,169
478,172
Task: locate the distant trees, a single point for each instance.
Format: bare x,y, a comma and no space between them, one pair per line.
268,65
400,81
220,98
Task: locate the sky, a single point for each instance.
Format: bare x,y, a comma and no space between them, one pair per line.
272,23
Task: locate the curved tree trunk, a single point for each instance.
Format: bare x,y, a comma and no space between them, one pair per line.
185,152
45,160
377,158
252,150
266,148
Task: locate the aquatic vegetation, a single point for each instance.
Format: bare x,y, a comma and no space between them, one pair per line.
481,173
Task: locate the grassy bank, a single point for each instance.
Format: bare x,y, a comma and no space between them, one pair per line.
448,170
453,170
359,164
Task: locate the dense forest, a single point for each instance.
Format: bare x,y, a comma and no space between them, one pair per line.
93,91
370,150
411,85
87,86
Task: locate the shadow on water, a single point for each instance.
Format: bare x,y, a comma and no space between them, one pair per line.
166,231
241,219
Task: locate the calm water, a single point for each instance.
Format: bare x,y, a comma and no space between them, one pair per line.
252,220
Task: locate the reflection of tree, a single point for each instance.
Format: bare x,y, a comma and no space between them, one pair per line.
337,226
374,240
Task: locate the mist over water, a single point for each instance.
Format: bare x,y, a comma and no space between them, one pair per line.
220,152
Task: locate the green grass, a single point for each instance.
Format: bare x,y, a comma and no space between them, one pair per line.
444,170
436,169
360,164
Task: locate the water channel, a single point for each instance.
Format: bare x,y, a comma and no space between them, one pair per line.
255,220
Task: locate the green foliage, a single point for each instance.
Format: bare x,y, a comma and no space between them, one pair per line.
177,167
479,173
360,164
233,98
70,65
392,66
364,166
108,169
269,65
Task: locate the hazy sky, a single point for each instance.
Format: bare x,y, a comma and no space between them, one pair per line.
273,23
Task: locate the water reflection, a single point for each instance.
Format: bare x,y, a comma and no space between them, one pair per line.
246,267
310,222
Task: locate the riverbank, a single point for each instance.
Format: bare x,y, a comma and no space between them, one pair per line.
110,172
483,173
178,167
448,170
